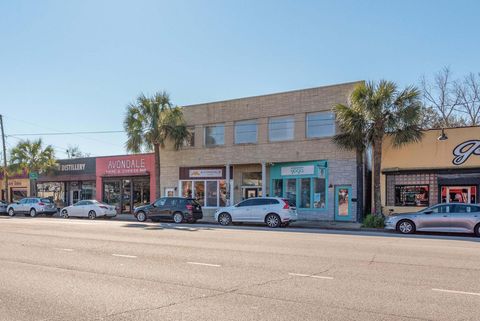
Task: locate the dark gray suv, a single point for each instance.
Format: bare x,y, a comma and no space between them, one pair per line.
178,209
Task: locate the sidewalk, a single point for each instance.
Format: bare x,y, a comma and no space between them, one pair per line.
328,225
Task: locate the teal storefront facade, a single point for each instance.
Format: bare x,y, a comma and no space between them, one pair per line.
304,184
319,189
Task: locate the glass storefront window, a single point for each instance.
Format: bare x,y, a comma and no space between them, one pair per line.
411,195
141,192
459,194
54,191
211,193
111,193
252,179
200,192
305,193
186,189
319,187
222,188
278,187
88,191
291,192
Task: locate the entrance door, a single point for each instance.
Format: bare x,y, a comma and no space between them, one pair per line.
126,196
74,196
343,203
250,192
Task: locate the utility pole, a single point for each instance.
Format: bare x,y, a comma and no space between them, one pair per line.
5,177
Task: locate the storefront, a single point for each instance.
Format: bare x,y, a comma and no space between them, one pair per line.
432,171
206,184
126,181
71,181
18,187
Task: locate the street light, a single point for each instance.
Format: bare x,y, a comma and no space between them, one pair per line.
443,136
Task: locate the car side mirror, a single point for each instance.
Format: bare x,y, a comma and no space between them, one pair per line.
428,212
17,202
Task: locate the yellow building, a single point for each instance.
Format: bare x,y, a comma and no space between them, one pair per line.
18,187
442,168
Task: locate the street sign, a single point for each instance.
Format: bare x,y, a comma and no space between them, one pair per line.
33,175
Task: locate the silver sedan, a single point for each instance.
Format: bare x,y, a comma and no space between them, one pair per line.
452,218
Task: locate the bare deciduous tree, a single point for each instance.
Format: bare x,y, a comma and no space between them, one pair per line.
468,92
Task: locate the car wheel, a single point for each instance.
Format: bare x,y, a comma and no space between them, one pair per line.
273,220
406,227
141,217
33,212
64,214
224,219
92,215
477,230
178,217
11,212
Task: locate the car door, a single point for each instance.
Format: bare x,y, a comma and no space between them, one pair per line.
157,208
167,208
21,206
76,209
240,211
435,218
464,217
258,209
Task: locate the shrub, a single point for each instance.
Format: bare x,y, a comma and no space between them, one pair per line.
373,221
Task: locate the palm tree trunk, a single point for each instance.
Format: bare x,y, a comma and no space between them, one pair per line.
157,170
377,165
359,156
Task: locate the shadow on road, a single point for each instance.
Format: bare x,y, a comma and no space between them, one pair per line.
167,226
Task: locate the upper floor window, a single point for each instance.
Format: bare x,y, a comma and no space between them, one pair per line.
215,135
246,132
320,124
190,141
281,128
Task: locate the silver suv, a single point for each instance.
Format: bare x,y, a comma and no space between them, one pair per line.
32,206
453,217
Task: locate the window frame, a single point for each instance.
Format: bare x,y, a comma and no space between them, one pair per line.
249,122
307,133
270,119
222,125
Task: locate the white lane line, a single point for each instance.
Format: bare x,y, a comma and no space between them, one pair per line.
311,276
456,292
66,250
204,264
124,255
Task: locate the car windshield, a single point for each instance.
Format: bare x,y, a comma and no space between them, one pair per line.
45,200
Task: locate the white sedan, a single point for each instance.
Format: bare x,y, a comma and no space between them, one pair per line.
90,209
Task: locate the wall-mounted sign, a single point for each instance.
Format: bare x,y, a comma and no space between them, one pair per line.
126,166
72,167
464,150
140,164
297,170
205,173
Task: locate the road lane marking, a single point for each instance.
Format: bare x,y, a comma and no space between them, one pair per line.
456,292
124,255
204,264
311,276
66,250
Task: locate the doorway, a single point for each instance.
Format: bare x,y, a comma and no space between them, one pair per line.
459,194
74,196
250,192
343,203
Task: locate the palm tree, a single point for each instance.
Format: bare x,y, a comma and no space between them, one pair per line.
352,136
386,111
31,156
150,123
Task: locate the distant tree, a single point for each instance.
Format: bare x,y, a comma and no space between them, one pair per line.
430,118
468,91
32,156
152,121
75,152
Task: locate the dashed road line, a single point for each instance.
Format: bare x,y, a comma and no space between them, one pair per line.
204,264
125,255
311,276
66,250
456,292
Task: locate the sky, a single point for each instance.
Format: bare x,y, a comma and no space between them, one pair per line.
68,66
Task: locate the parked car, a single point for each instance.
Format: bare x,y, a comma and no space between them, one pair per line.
453,217
3,207
178,209
89,208
273,211
32,206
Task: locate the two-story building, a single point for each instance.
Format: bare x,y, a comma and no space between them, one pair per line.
272,145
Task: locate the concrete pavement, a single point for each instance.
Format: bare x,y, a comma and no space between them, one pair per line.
53,269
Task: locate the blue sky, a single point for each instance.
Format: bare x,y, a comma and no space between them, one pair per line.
75,65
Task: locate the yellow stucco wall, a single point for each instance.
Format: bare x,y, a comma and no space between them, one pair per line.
431,153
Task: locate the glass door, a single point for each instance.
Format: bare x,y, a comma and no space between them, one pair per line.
111,193
343,206
126,196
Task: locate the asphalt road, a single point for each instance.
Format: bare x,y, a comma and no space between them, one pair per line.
54,269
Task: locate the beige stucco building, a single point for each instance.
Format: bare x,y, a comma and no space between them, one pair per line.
276,145
432,171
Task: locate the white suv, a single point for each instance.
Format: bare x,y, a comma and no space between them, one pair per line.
273,211
32,206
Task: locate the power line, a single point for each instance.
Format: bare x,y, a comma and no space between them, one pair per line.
69,133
